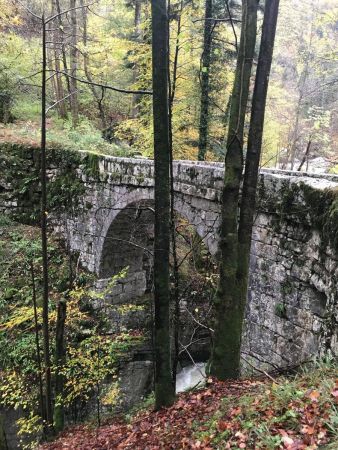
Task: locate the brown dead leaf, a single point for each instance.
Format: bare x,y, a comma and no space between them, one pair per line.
314,395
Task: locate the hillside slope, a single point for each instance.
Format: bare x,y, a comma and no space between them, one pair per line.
294,413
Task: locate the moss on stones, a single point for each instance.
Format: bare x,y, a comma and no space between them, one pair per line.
322,206
20,178
91,164
304,204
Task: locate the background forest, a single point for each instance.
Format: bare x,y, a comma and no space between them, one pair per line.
109,42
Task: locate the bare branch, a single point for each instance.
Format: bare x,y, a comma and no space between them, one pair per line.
232,21
198,323
104,86
29,10
49,19
217,20
259,370
59,101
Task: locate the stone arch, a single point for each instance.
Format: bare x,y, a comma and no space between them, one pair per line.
135,197
126,238
129,243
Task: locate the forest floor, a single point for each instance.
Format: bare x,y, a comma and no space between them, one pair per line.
293,413
61,134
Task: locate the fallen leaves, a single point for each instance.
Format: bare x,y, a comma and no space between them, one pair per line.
289,417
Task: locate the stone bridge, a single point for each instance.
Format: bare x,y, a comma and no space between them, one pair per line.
292,308
292,305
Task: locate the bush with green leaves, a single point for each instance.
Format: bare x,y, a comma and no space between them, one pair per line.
92,353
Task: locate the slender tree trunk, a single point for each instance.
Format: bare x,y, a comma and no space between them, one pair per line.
51,58
45,304
164,389
60,357
253,155
229,305
3,438
301,86
205,75
306,155
37,342
98,98
293,148
73,65
63,51
60,92
137,32
172,91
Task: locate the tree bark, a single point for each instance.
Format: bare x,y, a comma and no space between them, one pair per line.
255,139
45,280
205,76
172,81
73,65
229,303
98,98
64,56
306,155
164,389
37,341
60,358
137,36
60,92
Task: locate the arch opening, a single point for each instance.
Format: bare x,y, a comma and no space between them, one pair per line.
129,243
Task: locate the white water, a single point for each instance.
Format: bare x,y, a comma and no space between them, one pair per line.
189,376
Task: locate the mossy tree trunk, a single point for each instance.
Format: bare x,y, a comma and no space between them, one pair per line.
229,298
204,76
164,389
236,241
255,139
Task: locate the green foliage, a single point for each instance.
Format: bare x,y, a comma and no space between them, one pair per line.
280,310
28,111
92,356
91,362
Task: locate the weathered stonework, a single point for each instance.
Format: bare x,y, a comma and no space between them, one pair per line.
292,307
293,297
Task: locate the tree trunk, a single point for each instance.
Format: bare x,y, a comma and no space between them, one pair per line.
73,65
3,439
172,92
44,210
229,302
137,36
60,358
306,155
63,51
205,69
255,140
37,341
60,92
164,389
98,98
